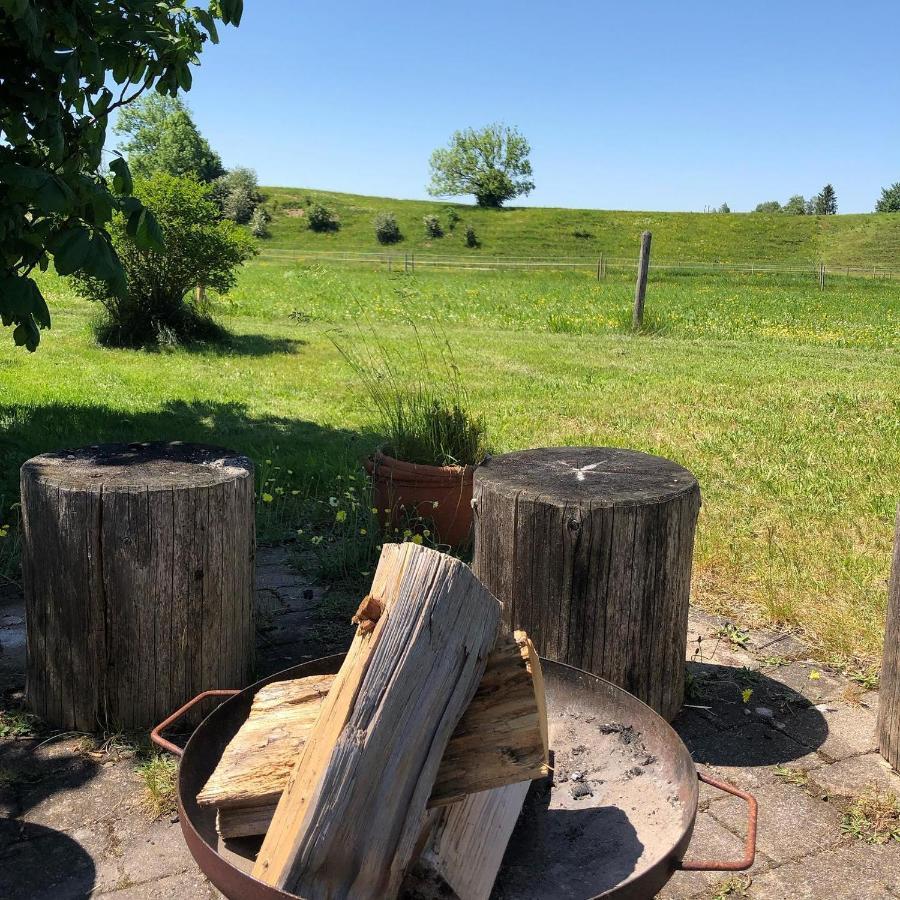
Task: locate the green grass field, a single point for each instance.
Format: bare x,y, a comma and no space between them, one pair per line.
784,400
863,240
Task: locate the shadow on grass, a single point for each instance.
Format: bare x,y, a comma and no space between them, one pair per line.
254,345
315,454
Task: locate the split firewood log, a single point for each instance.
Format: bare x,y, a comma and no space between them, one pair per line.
501,739
349,821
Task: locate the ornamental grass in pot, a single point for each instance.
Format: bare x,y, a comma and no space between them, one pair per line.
422,473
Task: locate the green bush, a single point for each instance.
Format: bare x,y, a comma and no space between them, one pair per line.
155,305
387,230
320,218
237,195
259,222
433,226
452,217
471,237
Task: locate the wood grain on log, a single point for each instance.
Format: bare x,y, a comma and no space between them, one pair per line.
350,818
467,845
889,688
589,549
138,564
501,739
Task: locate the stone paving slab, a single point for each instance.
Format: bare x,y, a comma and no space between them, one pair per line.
75,827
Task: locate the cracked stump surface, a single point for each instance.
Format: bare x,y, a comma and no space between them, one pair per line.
73,823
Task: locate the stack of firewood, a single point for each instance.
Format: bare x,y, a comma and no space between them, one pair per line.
414,758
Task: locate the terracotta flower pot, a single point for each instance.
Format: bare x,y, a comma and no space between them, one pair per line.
439,495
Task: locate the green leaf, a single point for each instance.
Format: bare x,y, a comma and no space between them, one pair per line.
27,335
232,10
208,22
147,233
71,250
122,183
101,261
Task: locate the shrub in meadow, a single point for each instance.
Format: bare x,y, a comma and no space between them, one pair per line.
320,218
451,216
154,303
387,229
471,237
259,222
433,226
237,194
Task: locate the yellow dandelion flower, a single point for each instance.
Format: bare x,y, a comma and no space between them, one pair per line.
267,498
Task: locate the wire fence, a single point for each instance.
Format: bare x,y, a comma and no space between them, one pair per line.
600,265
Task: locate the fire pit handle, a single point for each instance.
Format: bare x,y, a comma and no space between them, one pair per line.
156,735
724,865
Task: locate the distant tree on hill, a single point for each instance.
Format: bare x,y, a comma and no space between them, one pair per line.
826,201
796,206
724,208
161,137
811,206
237,194
890,199
770,206
492,164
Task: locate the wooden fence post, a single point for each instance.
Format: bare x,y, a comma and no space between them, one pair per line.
889,691
640,289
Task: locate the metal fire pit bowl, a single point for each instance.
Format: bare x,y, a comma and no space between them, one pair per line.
615,822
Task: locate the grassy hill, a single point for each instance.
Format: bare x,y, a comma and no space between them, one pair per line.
865,239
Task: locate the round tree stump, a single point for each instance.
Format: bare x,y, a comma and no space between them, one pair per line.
138,563
889,688
589,549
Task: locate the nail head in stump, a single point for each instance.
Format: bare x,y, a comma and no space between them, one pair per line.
138,563
589,549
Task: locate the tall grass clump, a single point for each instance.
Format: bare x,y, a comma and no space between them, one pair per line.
422,407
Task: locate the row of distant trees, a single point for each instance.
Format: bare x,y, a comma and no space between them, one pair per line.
824,203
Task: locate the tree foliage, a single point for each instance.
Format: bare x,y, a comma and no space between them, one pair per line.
492,164
65,65
160,136
890,199
796,205
826,201
198,249
237,195
770,206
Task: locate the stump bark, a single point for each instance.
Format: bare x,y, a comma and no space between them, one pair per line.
138,563
589,549
889,689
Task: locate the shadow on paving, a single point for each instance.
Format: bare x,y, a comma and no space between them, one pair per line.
737,717
38,863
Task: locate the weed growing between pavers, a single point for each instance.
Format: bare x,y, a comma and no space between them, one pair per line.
792,775
159,774
734,887
873,817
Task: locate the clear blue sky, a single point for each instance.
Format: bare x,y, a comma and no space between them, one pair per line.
653,105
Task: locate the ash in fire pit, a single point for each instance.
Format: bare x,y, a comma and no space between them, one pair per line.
609,812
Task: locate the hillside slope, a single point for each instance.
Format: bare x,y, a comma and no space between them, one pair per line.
865,239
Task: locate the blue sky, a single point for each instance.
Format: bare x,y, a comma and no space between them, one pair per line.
627,106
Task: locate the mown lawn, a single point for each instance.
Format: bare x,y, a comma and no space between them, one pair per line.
784,401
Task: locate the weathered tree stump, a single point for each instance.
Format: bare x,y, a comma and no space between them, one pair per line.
889,690
589,549
138,562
